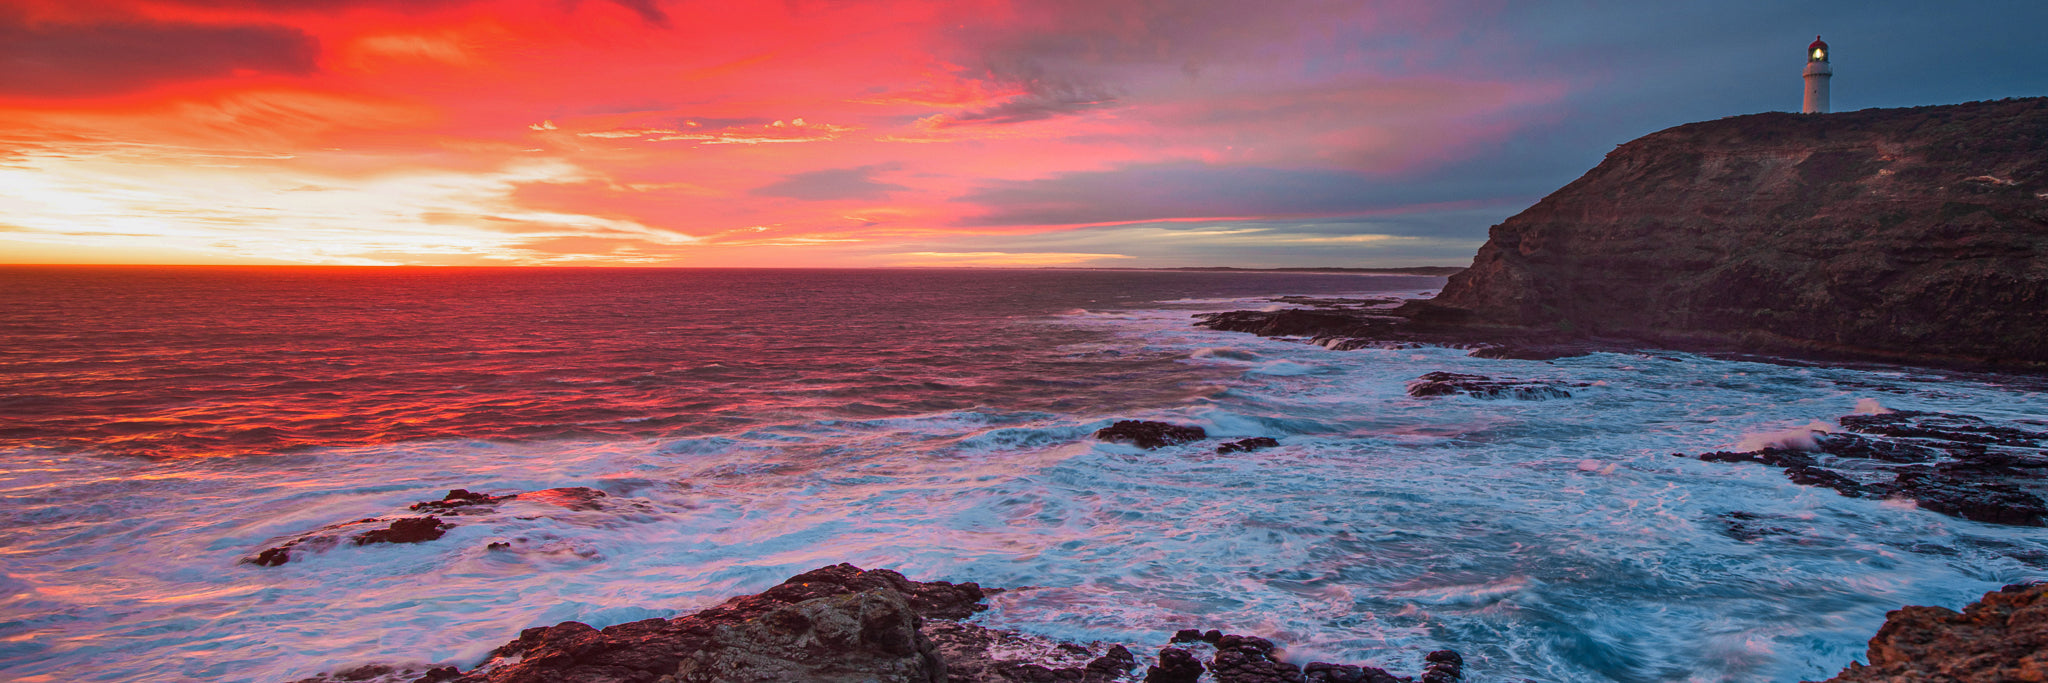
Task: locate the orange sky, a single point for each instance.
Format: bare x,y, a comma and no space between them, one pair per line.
798,133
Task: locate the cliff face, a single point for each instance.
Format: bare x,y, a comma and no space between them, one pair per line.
1913,234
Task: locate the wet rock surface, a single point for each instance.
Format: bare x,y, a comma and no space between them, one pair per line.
843,624
1150,435
2002,637
1248,445
1250,659
837,623
359,532
1480,386
419,529
1344,325
1957,465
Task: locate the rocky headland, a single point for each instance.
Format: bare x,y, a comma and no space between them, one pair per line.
1906,235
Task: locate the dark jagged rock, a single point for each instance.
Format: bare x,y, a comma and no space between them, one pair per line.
2001,638
1247,659
972,653
1114,663
837,623
1149,435
1976,500
1966,429
401,530
1294,322
1445,666
1917,235
1480,386
1175,666
1325,672
1248,445
407,530
455,501
439,675
1957,465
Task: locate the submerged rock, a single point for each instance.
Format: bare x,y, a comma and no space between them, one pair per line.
401,530
1150,435
1248,445
2001,638
457,503
1481,386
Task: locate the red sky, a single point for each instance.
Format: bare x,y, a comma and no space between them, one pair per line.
798,133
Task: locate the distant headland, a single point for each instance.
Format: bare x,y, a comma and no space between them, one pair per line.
1915,235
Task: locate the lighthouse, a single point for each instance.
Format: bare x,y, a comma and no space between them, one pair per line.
1817,74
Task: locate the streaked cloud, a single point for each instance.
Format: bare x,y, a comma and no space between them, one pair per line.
897,132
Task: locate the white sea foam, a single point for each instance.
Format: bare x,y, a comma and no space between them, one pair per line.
1794,438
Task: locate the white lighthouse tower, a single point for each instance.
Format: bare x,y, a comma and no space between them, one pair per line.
1817,74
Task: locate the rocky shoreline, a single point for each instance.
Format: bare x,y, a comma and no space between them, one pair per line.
843,624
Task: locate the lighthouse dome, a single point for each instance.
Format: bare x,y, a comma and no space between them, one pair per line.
1818,51
1818,44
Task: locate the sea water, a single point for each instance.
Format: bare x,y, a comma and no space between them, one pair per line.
159,425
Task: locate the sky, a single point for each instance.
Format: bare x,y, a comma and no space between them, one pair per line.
816,133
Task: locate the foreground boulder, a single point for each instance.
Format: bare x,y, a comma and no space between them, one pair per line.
1149,435
1999,639
835,624
1917,235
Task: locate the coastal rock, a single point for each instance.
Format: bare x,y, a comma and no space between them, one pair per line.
1248,445
1293,322
1246,659
2001,638
837,623
1175,666
975,653
1325,672
1916,235
457,503
1149,435
1481,386
1957,465
401,530
1444,666
854,638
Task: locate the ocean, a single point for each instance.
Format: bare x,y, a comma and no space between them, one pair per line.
160,425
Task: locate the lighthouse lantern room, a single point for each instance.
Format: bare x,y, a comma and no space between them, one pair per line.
1817,74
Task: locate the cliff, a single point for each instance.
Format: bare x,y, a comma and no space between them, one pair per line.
1917,235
